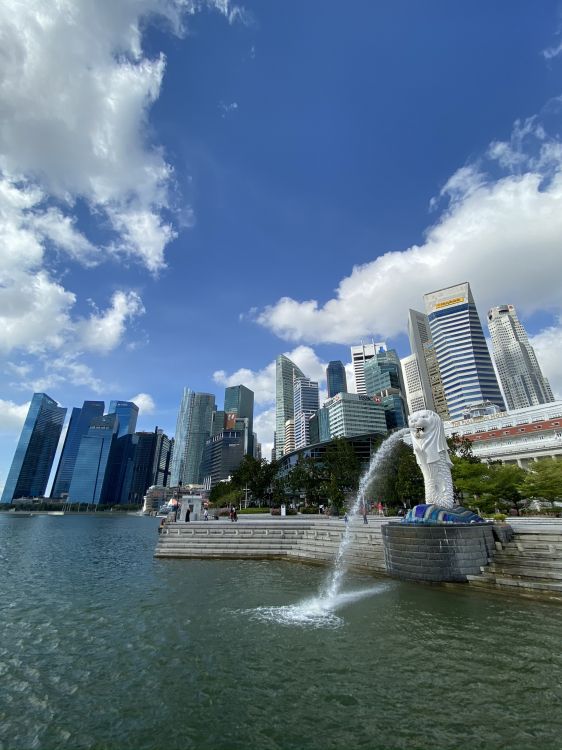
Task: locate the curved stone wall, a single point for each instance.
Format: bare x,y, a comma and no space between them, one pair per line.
415,552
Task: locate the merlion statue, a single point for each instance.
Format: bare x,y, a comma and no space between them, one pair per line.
432,455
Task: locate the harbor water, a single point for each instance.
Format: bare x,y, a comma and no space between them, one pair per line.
104,647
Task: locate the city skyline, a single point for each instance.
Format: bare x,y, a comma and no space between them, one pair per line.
221,151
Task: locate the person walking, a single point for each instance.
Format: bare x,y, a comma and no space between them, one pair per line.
206,515
380,509
365,513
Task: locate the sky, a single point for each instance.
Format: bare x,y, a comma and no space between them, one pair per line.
189,188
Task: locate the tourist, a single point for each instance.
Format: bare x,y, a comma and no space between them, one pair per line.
365,513
206,515
161,527
380,508
232,512
187,514
346,518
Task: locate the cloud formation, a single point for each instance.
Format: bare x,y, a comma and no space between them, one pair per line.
500,229
145,402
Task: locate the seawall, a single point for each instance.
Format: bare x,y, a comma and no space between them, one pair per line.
530,564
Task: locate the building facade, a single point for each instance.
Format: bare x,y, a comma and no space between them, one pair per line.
428,378
285,372
127,413
289,444
193,429
460,347
78,426
35,451
518,369
518,436
383,381
306,403
91,479
336,379
354,414
411,374
359,355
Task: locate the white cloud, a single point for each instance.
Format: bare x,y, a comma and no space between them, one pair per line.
551,52
12,416
502,235
548,348
264,427
262,382
145,402
103,331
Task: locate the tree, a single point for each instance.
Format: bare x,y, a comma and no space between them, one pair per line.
306,479
409,485
507,481
341,472
256,475
472,482
461,447
544,479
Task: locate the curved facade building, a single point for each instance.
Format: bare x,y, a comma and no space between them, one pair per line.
285,373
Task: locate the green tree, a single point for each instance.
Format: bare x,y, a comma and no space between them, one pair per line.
255,475
341,472
409,486
506,483
544,479
461,447
306,479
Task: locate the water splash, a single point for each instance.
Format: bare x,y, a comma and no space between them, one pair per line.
332,586
316,612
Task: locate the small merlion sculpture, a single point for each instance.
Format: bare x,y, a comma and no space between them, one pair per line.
432,455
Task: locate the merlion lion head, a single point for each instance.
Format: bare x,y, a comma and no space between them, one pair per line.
428,434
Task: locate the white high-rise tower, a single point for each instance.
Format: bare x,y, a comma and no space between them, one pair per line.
520,374
359,355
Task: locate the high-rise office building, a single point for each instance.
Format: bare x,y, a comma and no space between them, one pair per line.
516,362
78,426
464,362
352,414
306,403
35,452
127,413
193,429
413,383
225,450
430,386
240,400
359,355
336,378
92,477
289,444
383,380
149,467
319,426
285,372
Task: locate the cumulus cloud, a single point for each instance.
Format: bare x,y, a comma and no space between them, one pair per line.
548,347
76,88
501,233
145,402
12,416
103,331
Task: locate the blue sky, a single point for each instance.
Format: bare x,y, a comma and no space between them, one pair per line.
188,189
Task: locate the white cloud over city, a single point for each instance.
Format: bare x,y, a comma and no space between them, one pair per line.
500,228
76,88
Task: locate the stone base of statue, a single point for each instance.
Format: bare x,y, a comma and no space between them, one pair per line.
436,544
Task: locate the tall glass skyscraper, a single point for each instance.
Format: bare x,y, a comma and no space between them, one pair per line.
460,347
193,429
285,372
239,400
359,356
383,379
127,413
305,398
91,479
520,374
35,452
336,378
78,426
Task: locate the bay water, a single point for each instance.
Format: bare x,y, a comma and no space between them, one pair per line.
103,647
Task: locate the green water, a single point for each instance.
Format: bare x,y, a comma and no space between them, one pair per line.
101,646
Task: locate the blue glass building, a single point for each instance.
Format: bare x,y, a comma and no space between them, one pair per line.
127,413
193,429
239,400
462,354
35,452
383,381
336,378
92,472
78,426
305,404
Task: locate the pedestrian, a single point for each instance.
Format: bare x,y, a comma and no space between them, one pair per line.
206,515
365,513
187,514
380,508
346,518
232,512
235,518
161,527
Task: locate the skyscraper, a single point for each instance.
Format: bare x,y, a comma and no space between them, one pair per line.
285,372
352,414
383,380
520,374
359,355
149,467
336,378
91,482
78,426
240,400
305,399
427,380
193,429
460,348
127,413
35,452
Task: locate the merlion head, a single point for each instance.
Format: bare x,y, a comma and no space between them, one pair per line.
428,435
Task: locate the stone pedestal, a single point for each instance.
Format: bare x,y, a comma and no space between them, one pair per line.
448,552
